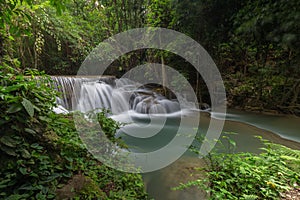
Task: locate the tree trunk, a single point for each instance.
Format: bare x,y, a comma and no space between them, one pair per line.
198,90
163,73
163,70
1,48
296,93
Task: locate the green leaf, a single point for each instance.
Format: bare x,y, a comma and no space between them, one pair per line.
45,119
8,141
25,153
23,170
28,107
28,130
17,197
11,38
4,183
51,177
36,146
232,143
27,187
34,175
14,108
10,151
40,196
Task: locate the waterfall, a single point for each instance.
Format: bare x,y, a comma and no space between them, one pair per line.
70,88
118,95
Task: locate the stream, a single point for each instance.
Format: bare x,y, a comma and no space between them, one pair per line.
133,103
280,129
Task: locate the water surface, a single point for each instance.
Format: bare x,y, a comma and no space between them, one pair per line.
246,126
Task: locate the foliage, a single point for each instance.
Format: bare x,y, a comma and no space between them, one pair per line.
42,152
110,126
26,102
254,43
161,14
250,176
263,50
15,17
270,21
115,184
199,20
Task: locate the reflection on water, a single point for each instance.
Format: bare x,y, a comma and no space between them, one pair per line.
159,183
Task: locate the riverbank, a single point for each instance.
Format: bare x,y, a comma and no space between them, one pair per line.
268,135
260,110
159,183
285,126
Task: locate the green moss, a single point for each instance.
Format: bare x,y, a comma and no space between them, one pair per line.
92,190
80,187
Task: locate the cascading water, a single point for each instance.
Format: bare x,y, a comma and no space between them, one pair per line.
94,95
121,95
68,88
118,95
130,103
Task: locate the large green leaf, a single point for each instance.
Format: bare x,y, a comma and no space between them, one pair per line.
28,107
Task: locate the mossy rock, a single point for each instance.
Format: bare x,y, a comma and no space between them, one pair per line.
80,187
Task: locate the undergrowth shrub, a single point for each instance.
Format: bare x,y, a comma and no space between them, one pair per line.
41,151
249,176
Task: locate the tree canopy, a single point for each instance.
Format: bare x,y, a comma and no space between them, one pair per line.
254,43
